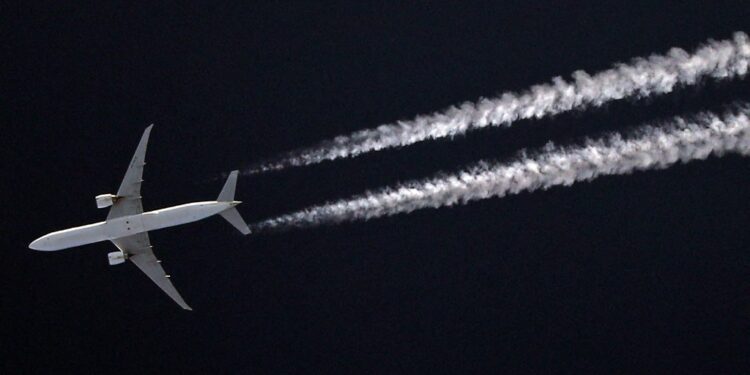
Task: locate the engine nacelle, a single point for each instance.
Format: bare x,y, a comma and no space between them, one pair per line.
116,258
105,200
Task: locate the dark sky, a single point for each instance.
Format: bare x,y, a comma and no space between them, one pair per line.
627,274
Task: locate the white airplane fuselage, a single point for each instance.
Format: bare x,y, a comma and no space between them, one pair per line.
130,225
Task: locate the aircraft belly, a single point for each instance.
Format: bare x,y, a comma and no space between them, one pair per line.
154,220
75,236
176,216
124,226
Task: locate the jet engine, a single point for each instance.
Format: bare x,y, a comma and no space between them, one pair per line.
105,200
116,258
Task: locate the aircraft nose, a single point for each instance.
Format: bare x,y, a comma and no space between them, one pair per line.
39,243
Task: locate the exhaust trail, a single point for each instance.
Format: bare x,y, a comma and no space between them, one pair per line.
642,77
652,147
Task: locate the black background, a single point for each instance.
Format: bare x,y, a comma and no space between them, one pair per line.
640,273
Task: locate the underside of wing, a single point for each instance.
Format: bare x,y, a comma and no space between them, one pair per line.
139,251
129,194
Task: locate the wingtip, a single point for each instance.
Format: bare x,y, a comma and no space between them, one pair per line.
147,132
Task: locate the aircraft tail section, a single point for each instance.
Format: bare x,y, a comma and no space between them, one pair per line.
227,195
227,192
233,217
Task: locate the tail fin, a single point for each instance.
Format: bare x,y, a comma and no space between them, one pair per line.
227,192
227,195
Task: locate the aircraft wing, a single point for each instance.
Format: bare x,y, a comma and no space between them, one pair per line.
139,251
128,200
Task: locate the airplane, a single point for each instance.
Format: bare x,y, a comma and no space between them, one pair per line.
127,226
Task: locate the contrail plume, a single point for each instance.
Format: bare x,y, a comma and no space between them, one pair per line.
678,140
642,77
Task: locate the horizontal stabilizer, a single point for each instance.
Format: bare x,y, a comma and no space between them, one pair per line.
227,192
234,218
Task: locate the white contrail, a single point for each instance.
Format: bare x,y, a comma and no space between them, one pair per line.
642,77
653,148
